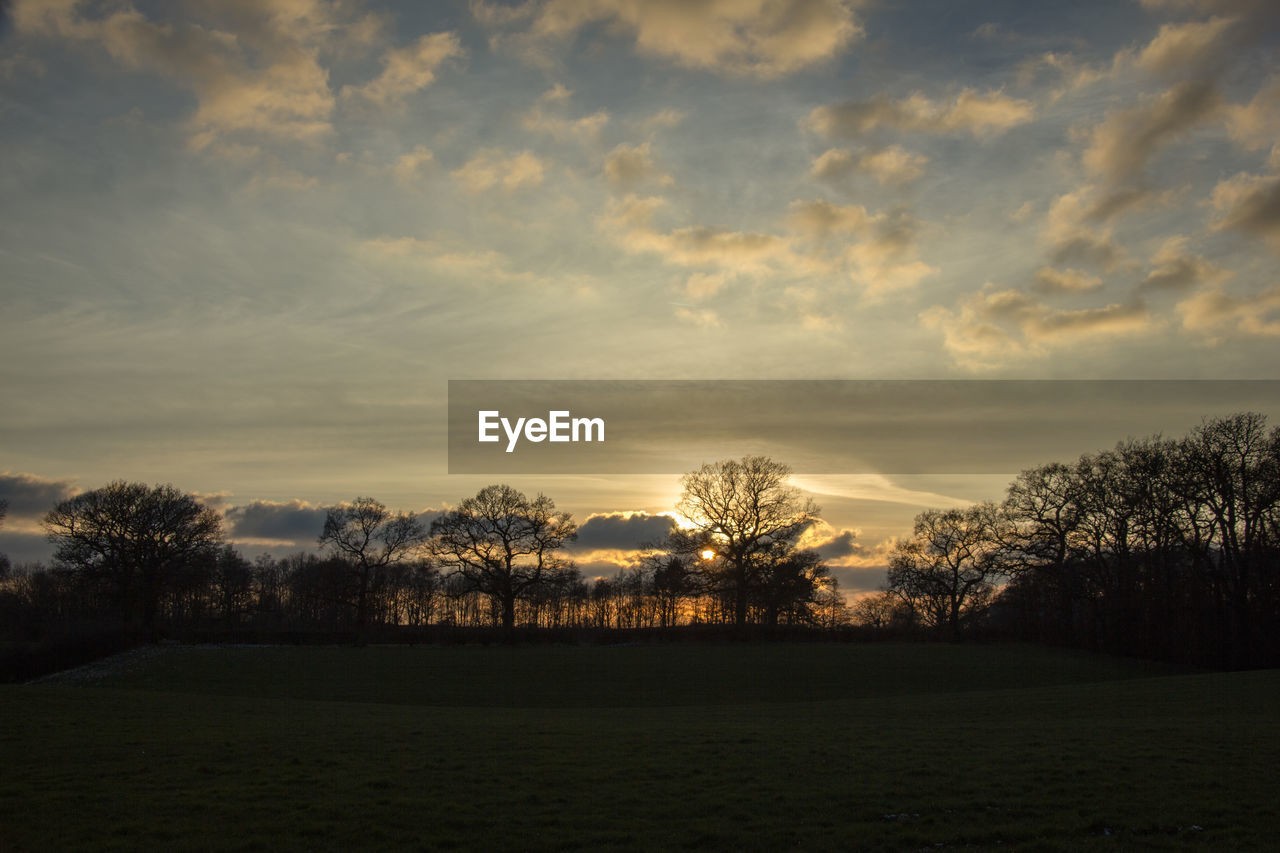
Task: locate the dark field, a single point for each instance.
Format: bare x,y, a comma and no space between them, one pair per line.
753,747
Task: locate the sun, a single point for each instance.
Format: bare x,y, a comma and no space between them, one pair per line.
708,554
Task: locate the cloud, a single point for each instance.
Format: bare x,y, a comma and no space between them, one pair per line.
697,245
1120,146
702,285
1050,280
707,244
290,521
1174,270
584,129
409,69
1115,201
872,487
410,165
1073,73
992,327
1214,313
1182,50
843,544
980,114
661,119
628,165
882,260
254,69
1071,232
820,219
1186,47
30,497
490,169
1249,203
761,38
886,263
1023,212
621,531
891,165
1256,124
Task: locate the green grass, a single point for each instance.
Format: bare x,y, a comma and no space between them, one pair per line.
752,747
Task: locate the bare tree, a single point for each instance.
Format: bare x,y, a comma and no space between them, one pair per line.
875,610
1233,472
950,563
1043,507
750,515
371,539
133,537
503,544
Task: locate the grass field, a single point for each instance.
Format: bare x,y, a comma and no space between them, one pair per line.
662,747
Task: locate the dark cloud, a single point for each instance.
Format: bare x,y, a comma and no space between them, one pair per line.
288,521
30,497
976,112
1086,248
1123,143
294,521
620,531
1177,276
840,545
1255,207
1112,204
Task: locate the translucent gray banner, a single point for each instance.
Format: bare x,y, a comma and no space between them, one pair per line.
821,426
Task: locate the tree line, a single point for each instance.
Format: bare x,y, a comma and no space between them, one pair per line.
154,558
1161,548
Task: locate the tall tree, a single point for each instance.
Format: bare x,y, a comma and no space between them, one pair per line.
1044,513
372,540
503,544
751,516
1233,470
132,537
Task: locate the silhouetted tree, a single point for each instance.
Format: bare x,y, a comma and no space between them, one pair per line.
318,590
1234,471
4,558
790,582
1043,509
232,585
750,516
672,580
372,540
503,544
949,565
875,610
132,537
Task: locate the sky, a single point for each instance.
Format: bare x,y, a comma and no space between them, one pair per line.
245,244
